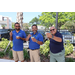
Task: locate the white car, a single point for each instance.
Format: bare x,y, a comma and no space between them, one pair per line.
67,36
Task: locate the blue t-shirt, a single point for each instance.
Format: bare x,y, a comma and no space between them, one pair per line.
34,45
55,46
18,43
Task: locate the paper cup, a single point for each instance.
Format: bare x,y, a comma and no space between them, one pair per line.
17,36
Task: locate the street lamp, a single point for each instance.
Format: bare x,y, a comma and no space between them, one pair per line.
57,20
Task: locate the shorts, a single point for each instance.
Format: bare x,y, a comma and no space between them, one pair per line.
18,55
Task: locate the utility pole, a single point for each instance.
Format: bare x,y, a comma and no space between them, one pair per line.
20,19
57,20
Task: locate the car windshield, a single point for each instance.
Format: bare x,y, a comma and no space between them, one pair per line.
3,30
65,33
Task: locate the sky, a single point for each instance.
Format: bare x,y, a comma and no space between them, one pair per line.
28,16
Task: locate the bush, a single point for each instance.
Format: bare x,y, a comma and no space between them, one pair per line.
4,43
45,48
68,47
10,54
26,55
2,54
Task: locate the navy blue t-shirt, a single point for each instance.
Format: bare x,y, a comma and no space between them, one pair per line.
55,46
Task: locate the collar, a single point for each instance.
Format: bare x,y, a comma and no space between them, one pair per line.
35,33
56,33
18,32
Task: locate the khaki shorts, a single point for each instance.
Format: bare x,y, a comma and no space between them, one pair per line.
18,55
34,55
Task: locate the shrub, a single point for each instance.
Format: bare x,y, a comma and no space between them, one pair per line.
4,43
45,48
10,54
68,47
26,55
2,54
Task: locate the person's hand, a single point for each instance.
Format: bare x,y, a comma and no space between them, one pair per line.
48,35
11,34
33,39
17,37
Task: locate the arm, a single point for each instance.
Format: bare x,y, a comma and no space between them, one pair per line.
11,36
28,37
58,39
39,42
24,39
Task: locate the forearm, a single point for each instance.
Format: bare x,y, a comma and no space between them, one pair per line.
11,38
27,38
39,42
58,39
24,39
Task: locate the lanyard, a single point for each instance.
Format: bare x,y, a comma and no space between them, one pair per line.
35,35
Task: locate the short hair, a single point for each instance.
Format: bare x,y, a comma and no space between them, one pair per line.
34,25
16,23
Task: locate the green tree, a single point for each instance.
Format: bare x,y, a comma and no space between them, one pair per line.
25,26
70,25
34,20
13,25
49,18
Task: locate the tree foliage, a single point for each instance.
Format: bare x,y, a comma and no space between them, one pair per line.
49,18
35,20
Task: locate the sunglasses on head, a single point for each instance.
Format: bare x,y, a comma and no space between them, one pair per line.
52,29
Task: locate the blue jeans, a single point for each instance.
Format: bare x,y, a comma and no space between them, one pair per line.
59,57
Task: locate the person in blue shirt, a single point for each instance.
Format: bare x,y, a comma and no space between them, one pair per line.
18,36
57,52
35,40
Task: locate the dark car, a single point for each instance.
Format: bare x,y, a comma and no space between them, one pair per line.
4,33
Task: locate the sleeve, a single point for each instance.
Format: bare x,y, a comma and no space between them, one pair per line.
40,38
24,34
60,36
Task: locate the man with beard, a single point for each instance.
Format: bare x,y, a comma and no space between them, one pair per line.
35,40
18,36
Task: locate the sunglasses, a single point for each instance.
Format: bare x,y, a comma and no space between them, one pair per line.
17,26
52,30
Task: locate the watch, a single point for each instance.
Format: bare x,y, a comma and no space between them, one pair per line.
36,41
52,36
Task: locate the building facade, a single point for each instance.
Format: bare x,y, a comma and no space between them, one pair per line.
5,22
20,19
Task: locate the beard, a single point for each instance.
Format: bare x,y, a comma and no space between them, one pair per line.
17,29
34,31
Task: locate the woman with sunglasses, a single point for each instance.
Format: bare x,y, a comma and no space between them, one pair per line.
57,52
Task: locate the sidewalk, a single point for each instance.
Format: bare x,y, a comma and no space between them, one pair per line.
5,60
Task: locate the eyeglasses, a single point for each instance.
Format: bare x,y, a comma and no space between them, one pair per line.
52,29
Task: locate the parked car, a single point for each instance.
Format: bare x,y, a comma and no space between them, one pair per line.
67,35
4,33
